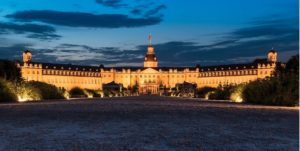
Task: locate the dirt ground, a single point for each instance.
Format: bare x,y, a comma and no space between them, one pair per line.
146,123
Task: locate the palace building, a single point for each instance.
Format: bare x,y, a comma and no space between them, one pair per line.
148,78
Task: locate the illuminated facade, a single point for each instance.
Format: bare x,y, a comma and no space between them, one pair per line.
148,78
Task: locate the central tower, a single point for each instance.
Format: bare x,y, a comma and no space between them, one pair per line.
150,60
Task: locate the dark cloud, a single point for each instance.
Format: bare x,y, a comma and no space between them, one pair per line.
78,19
243,45
268,28
136,11
42,32
21,28
240,46
111,3
13,52
44,36
154,11
145,8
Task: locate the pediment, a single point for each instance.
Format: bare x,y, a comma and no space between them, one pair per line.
149,70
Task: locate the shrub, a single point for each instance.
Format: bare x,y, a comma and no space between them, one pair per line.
271,92
91,93
47,91
27,92
237,93
77,92
282,89
204,92
6,92
222,93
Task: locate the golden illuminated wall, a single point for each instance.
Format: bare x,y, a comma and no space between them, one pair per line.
62,78
171,77
146,78
69,79
31,71
149,76
214,78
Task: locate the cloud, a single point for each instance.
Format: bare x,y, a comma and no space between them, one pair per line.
136,11
140,7
42,32
44,36
239,46
111,3
154,11
86,55
13,52
21,28
268,28
79,19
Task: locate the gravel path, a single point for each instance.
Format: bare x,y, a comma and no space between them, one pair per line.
146,123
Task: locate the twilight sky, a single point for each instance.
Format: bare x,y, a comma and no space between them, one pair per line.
114,32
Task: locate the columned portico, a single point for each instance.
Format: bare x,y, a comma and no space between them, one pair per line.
149,89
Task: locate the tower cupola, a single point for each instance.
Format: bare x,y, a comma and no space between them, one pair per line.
150,60
272,55
27,56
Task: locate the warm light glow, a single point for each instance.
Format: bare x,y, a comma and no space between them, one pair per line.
20,99
236,96
238,99
24,99
207,95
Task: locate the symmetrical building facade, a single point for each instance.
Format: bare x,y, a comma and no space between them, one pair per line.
149,78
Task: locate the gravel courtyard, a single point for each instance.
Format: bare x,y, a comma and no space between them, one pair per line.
146,123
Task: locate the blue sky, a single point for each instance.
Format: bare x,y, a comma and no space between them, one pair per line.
114,32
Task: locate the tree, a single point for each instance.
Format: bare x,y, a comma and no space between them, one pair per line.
10,71
283,89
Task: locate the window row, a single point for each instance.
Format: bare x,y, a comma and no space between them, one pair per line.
70,73
58,81
228,73
222,82
152,76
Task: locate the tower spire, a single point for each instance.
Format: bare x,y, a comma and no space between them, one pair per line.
150,39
